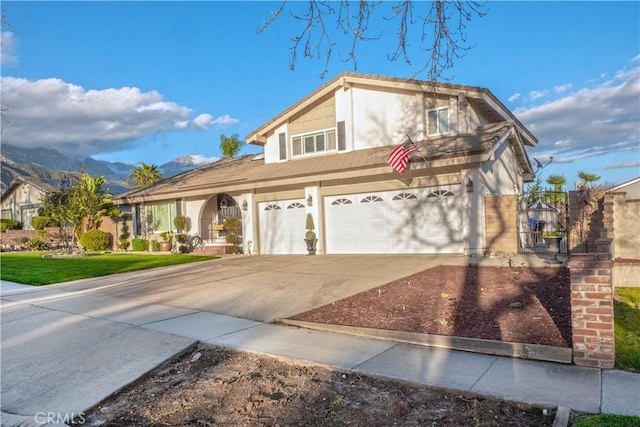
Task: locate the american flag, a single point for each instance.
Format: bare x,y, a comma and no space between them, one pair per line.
399,157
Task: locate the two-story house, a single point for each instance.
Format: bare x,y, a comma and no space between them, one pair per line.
327,155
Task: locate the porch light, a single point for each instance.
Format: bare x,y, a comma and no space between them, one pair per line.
309,200
470,186
245,205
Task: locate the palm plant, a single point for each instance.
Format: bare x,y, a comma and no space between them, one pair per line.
588,178
145,174
230,146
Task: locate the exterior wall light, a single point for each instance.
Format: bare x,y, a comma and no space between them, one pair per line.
470,186
309,200
245,205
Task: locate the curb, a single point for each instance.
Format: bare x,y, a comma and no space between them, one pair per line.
475,345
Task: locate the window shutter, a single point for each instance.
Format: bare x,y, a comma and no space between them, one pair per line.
342,137
178,207
283,146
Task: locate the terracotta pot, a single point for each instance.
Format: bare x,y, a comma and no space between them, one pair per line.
165,246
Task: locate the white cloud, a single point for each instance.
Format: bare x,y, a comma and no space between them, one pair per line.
8,48
205,121
67,117
624,165
589,122
515,97
562,88
536,94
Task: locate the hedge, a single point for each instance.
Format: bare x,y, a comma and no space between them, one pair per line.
95,240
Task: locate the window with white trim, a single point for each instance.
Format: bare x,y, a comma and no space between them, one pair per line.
160,216
438,121
313,143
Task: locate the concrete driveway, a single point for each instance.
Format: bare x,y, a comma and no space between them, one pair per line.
68,346
261,288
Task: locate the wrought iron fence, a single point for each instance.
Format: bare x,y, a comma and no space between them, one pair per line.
539,213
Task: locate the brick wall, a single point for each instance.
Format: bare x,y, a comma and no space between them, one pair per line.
592,309
501,213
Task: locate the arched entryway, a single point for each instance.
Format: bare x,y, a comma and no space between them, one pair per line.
215,211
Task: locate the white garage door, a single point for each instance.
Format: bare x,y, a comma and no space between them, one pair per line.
282,227
426,220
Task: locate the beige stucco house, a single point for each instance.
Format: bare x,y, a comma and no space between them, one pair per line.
327,155
23,197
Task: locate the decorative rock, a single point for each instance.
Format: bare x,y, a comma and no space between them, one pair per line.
516,304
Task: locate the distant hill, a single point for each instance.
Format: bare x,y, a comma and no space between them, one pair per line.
47,164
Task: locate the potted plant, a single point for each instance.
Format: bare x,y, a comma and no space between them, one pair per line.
310,235
167,238
552,241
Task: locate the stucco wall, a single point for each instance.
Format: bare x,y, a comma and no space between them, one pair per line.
501,173
626,242
501,224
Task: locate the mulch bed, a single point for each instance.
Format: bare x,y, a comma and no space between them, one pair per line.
512,304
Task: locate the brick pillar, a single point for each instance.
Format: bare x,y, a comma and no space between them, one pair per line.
592,310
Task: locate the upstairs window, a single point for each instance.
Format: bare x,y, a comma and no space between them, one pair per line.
438,120
312,143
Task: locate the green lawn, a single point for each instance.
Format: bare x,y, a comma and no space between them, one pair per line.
608,420
32,269
627,328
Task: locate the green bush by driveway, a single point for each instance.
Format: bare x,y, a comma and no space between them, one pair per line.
33,269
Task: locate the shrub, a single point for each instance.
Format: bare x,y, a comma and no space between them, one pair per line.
232,225
140,245
3,227
95,240
43,235
40,222
35,245
181,238
180,222
12,224
155,246
233,239
123,239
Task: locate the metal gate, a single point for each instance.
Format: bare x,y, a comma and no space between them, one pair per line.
539,214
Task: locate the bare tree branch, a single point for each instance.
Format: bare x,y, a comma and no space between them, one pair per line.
443,34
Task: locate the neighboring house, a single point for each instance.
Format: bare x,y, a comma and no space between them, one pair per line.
327,155
631,188
22,199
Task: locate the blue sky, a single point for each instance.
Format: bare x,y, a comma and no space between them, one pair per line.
151,81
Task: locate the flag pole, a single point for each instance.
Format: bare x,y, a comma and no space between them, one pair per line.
418,150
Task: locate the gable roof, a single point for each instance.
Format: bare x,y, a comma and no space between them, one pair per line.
249,172
44,185
480,97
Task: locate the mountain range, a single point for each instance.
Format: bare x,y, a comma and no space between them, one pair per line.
49,164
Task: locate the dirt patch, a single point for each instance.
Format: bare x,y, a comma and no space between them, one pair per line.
514,304
215,386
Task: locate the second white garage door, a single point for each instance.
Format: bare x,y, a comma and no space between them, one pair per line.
282,227
426,220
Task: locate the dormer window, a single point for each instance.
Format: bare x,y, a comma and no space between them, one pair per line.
313,142
438,120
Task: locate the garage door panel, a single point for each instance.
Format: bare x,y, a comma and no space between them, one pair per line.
410,221
282,227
